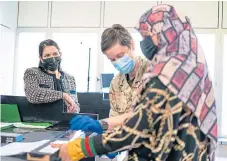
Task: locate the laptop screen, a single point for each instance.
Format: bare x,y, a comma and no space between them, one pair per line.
65,123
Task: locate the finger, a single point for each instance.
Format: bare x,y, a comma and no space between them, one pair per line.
63,156
79,122
71,103
77,125
67,104
74,127
86,128
73,106
75,119
70,108
74,109
67,159
55,145
60,155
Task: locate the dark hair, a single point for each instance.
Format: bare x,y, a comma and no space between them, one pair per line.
42,45
113,35
45,43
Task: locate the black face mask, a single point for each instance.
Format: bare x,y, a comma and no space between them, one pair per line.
51,64
148,47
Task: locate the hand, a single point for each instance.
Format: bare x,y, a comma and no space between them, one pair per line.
86,123
71,105
70,151
72,109
63,151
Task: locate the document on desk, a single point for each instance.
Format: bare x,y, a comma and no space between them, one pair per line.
48,149
31,125
23,147
4,125
20,147
78,134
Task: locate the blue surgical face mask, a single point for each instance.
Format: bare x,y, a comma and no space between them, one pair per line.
149,49
125,64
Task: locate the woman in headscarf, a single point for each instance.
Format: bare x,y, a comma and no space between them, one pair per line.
175,113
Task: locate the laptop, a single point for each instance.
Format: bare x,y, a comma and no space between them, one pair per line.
65,123
44,112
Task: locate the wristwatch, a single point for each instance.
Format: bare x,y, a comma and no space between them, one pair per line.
104,125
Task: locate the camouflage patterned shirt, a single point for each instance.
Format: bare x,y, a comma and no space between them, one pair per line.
122,92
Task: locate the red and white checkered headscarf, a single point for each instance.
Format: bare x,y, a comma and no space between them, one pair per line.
181,66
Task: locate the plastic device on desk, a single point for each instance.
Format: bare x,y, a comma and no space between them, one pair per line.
10,137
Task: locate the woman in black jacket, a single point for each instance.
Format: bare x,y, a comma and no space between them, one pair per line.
48,83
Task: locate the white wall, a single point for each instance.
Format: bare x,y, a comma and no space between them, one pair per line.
204,14
8,21
33,14
8,14
224,14
94,17
87,14
76,14
125,12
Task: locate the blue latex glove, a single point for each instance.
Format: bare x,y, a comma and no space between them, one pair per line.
85,124
112,155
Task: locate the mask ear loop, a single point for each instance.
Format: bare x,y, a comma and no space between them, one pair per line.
188,20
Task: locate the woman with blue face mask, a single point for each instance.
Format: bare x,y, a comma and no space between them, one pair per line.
118,46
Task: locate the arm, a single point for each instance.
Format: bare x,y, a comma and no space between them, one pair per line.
34,93
153,125
113,101
73,94
117,120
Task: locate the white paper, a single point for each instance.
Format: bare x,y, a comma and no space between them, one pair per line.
48,149
20,147
4,124
21,125
77,134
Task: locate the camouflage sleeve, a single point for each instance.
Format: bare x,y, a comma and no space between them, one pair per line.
113,101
